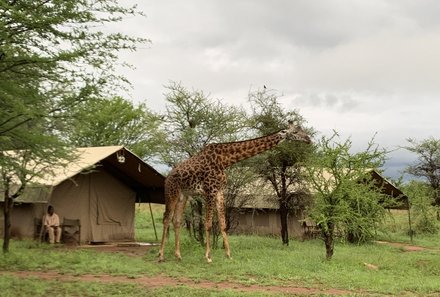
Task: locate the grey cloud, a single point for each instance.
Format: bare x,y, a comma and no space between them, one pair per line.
338,102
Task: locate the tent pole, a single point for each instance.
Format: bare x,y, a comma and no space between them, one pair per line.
152,219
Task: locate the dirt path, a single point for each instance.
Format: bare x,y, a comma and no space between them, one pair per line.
163,281
407,247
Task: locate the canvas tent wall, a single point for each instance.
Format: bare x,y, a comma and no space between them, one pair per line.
100,188
105,206
266,221
258,212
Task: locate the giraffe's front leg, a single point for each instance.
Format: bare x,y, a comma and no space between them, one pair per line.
208,226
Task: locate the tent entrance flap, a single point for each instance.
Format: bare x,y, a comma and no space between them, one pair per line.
112,208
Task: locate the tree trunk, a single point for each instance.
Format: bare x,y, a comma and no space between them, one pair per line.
328,240
437,203
7,221
328,235
201,226
284,226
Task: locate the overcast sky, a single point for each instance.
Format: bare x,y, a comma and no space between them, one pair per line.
358,67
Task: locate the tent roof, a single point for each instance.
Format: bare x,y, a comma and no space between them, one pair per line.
117,160
264,197
401,200
88,157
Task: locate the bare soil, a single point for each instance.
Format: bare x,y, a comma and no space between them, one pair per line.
165,281
407,247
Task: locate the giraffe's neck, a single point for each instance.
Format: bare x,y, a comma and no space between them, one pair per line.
233,152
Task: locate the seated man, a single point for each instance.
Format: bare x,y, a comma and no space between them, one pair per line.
52,225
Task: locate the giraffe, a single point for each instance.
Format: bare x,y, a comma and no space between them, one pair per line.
204,174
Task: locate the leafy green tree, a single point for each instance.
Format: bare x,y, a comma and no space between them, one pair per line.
282,166
345,197
191,121
37,150
52,56
428,165
115,121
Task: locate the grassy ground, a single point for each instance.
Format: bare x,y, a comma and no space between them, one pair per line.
146,215
367,269
396,229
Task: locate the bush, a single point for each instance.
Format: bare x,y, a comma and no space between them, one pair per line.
425,221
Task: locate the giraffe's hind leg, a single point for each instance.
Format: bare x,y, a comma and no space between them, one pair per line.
170,206
177,221
166,224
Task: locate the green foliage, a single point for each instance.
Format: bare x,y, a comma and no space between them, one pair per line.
115,121
193,120
53,56
427,165
422,209
59,42
345,198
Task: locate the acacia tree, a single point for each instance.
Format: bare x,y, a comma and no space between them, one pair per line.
115,121
52,56
191,121
282,166
428,165
346,199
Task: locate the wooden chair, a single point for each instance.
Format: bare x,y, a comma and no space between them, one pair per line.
39,233
38,229
310,229
71,231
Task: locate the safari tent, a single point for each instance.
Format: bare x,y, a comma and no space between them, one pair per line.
100,189
260,213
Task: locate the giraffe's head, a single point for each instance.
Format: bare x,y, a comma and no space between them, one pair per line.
295,132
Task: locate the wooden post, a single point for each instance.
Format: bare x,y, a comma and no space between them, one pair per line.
152,219
409,221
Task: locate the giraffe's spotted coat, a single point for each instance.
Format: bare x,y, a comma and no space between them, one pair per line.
204,174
